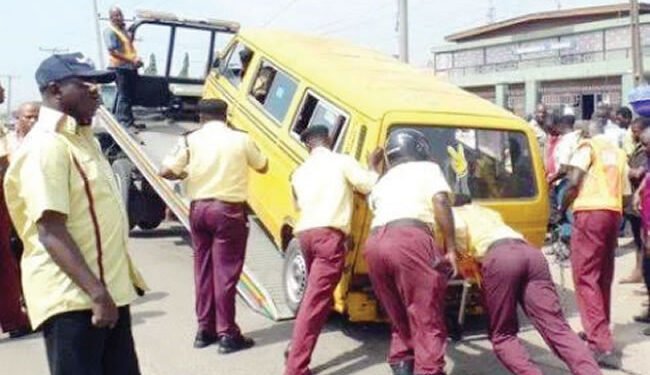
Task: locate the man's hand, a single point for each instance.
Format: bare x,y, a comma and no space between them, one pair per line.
556,217
376,160
138,62
452,258
105,312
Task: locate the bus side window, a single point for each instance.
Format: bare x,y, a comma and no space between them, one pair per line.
274,90
317,111
236,64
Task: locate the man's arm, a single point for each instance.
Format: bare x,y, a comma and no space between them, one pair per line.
56,239
445,219
575,176
362,179
255,158
174,164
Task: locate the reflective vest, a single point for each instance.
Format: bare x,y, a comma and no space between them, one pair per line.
602,187
127,47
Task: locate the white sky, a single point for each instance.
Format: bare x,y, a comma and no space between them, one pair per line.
26,26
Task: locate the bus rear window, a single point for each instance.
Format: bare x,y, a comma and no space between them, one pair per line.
499,162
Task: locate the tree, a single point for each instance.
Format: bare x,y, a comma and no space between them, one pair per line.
151,69
185,69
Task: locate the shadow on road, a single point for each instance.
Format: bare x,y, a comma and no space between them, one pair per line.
141,317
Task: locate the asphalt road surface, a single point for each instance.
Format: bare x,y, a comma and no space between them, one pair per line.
164,327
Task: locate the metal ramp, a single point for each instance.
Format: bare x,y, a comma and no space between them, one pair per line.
260,284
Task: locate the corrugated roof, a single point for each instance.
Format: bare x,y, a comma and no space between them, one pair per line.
604,10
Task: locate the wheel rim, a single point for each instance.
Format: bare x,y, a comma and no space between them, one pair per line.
296,278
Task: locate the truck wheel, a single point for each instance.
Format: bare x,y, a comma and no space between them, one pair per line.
294,275
154,208
123,169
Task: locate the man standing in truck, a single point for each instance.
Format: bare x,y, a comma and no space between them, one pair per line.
124,60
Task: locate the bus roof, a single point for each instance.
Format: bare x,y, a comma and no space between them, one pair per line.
372,82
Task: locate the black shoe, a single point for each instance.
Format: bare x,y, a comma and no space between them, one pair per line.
582,335
402,368
204,339
646,332
230,344
20,332
139,126
608,360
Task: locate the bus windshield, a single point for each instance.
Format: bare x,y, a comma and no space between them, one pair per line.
498,163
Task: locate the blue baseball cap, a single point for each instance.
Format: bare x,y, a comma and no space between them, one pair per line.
70,65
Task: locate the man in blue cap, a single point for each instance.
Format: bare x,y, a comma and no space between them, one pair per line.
67,209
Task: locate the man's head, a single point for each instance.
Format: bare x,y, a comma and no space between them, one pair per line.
552,124
566,123
2,94
26,116
623,117
68,83
406,145
603,113
540,114
212,110
638,126
593,128
645,140
116,16
316,136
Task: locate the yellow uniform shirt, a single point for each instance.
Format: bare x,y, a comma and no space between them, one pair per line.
406,192
477,228
43,176
216,159
581,159
323,185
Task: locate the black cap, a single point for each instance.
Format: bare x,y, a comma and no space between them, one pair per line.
70,65
314,131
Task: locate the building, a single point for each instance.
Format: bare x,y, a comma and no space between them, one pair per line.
573,57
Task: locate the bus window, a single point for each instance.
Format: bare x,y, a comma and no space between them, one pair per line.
317,111
274,90
236,64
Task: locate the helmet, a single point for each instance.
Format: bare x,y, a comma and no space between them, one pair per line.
407,145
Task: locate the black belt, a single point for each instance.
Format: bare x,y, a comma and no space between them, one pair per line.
405,223
505,241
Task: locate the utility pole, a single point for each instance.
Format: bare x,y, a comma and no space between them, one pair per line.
637,53
492,12
98,35
9,78
403,30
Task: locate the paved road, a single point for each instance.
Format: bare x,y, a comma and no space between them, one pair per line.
164,327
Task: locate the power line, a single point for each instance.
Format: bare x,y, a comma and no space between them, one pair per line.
279,12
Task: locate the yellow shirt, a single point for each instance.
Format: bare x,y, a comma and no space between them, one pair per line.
406,192
43,177
216,159
581,159
323,185
628,142
477,228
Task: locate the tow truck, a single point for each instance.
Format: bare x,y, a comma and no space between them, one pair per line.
178,54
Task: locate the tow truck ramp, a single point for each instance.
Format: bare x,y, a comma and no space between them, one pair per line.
260,284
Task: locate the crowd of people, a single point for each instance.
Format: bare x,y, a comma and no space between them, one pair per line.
78,279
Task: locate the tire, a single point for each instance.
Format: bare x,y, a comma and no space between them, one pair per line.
123,170
294,275
153,212
149,225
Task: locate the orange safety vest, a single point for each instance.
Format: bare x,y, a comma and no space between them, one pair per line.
128,50
602,188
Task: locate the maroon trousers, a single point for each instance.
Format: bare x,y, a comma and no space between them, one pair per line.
400,261
517,273
593,245
12,316
324,251
219,233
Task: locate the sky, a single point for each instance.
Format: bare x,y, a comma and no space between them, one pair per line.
29,28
